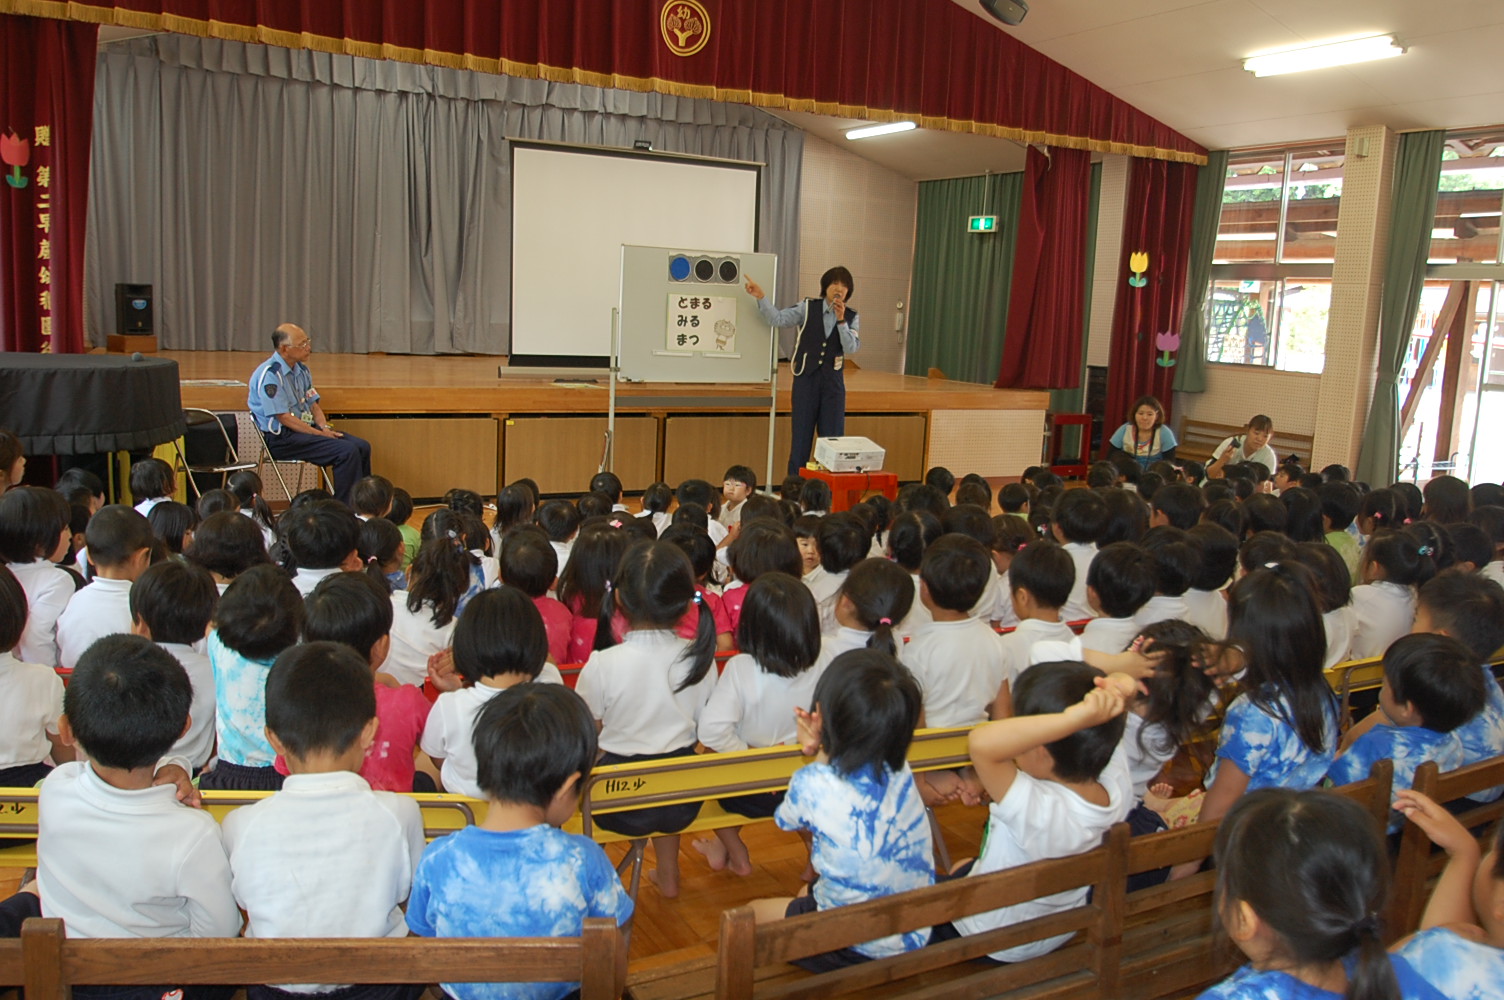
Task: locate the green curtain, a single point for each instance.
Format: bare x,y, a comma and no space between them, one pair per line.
1190,361
1410,219
959,299
1074,400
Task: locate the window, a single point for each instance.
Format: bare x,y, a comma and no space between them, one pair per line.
1468,200
1271,275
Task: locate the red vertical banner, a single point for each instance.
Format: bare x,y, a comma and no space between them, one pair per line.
46,125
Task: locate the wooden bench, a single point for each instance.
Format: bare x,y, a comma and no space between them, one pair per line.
1352,677
1197,438
50,964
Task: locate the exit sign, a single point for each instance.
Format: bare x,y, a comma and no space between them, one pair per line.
982,224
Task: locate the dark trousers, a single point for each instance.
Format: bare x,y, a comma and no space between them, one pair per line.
819,402
350,456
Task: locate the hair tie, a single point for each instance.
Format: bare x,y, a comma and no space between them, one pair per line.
698,599
1271,564
608,586
885,621
370,559
1426,550
1369,926
452,533
616,523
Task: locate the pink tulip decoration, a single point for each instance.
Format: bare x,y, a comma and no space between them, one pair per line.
16,152
1167,343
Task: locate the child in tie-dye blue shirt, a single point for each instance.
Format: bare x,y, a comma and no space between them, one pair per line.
869,833
516,874
1431,687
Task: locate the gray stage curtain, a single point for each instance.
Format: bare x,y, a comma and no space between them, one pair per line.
367,200
1190,365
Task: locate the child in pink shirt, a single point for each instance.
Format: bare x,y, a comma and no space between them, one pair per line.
530,563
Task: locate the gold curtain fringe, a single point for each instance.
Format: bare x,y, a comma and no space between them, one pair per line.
72,10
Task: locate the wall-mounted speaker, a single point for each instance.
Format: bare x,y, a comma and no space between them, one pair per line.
1007,11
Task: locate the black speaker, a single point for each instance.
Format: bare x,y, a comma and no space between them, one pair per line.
133,310
1007,11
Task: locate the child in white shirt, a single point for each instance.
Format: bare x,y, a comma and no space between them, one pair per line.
499,642
754,701
34,535
1394,564
323,538
120,544
911,534
876,594
1076,523
172,604
1119,583
1333,594
325,856
31,700
1206,600
424,615
1177,561
152,482
119,856
843,543
1042,576
740,482
1058,779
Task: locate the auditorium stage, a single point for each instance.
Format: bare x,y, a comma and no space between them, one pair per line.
437,422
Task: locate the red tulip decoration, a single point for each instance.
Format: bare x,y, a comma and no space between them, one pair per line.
1167,343
16,152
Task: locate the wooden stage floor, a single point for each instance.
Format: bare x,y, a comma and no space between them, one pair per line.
389,383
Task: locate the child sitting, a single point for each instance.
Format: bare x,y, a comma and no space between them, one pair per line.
350,609
700,550
1334,594
120,543
1177,505
259,615
1301,882
753,703
34,535
656,501
400,514
842,544
1205,601
804,528
117,856
515,874
1077,522
381,548
152,482
876,594
1119,583
740,483
857,800
583,583
226,545
325,857
172,605
1460,945
1339,508
1058,779
1041,578
323,538
424,615
32,702
1177,561
1172,713
1394,565
172,523
761,546
499,643
1431,687
247,487
909,538
560,521
529,563
1491,520
371,497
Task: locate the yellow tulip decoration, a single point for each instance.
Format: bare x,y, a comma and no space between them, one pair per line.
1138,263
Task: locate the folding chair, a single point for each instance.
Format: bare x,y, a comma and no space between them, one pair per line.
303,475
228,461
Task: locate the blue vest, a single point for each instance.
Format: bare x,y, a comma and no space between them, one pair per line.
813,350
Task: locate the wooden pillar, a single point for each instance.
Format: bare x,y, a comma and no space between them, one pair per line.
1454,376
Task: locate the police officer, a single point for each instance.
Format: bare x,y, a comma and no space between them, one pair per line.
827,333
286,408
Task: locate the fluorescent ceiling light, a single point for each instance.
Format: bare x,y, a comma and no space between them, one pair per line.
1353,50
886,128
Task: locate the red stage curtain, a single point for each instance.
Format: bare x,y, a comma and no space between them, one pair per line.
1042,346
46,121
929,60
1161,203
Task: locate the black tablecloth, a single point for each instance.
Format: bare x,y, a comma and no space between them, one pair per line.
82,404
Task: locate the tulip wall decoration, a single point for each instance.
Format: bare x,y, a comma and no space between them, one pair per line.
1168,343
1138,263
17,153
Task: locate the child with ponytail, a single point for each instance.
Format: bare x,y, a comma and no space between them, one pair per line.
873,598
1301,883
647,691
1394,564
424,614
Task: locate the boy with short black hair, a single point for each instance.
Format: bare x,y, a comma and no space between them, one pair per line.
1118,584
1288,475
515,874
1058,778
323,537
353,610
529,563
1040,579
941,479
1101,475
120,544
325,856
1339,507
1470,609
1014,499
172,604
1177,505
1177,561
740,483
1191,471
608,483
843,543
119,857
371,497
560,521
1206,600
1431,688
1077,522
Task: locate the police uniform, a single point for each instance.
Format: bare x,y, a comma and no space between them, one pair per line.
279,386
819,391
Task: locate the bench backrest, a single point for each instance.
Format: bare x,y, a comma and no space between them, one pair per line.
1091,959
1198,437
52,964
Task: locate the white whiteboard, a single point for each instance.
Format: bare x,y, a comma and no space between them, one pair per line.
572,209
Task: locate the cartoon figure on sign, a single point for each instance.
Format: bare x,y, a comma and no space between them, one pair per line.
16,152
725,333
685,25
1168,343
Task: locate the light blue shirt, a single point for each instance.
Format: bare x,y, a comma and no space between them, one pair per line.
1482,736
1459,968
240,706
794,316
871,838
279,387
1268,749
538,882
1249,983
1407,746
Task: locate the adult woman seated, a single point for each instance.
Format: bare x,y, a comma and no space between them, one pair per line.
1145,438
1250,446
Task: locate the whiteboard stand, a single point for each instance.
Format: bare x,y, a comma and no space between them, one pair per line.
608,449
772,404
